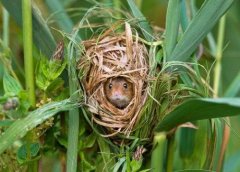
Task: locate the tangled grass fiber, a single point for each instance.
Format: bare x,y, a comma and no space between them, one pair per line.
109,56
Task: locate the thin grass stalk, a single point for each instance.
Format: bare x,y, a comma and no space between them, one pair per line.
28,63
217,78
218,66
28,55
5,27
73,121
72,151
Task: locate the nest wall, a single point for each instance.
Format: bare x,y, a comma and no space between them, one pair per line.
108,56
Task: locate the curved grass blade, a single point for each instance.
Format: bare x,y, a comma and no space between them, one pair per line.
20,127
198,28
42,36
143,24
198,109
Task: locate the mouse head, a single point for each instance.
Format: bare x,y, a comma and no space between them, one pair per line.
119,91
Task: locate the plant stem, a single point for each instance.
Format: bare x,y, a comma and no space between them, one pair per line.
27,43
72,151
157,158
73,121
28,61
5,27
217,77
218,67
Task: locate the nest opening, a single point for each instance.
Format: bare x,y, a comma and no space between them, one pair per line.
106,59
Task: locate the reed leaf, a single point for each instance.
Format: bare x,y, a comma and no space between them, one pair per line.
172,25
143,23
198,109
198,28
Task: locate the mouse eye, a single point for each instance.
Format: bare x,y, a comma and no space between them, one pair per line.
110,86
125,85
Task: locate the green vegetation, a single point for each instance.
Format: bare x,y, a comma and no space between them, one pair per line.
190,119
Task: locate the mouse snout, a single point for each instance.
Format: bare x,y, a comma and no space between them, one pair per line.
117,95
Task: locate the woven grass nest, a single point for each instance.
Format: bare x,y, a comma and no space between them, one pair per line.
109,56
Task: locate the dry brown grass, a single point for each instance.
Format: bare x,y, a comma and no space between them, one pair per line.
108,56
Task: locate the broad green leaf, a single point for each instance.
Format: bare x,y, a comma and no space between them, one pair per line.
187,142
184,15
143,24
42,36
191,146
199,27
20,127
28,152
10,85
197,109
172,25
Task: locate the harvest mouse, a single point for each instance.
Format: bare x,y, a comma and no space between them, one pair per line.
119,91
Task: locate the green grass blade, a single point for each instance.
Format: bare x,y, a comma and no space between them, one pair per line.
198,109
73,122
199,27
42,36
218,57
184,15
172,25
20,127
143,24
